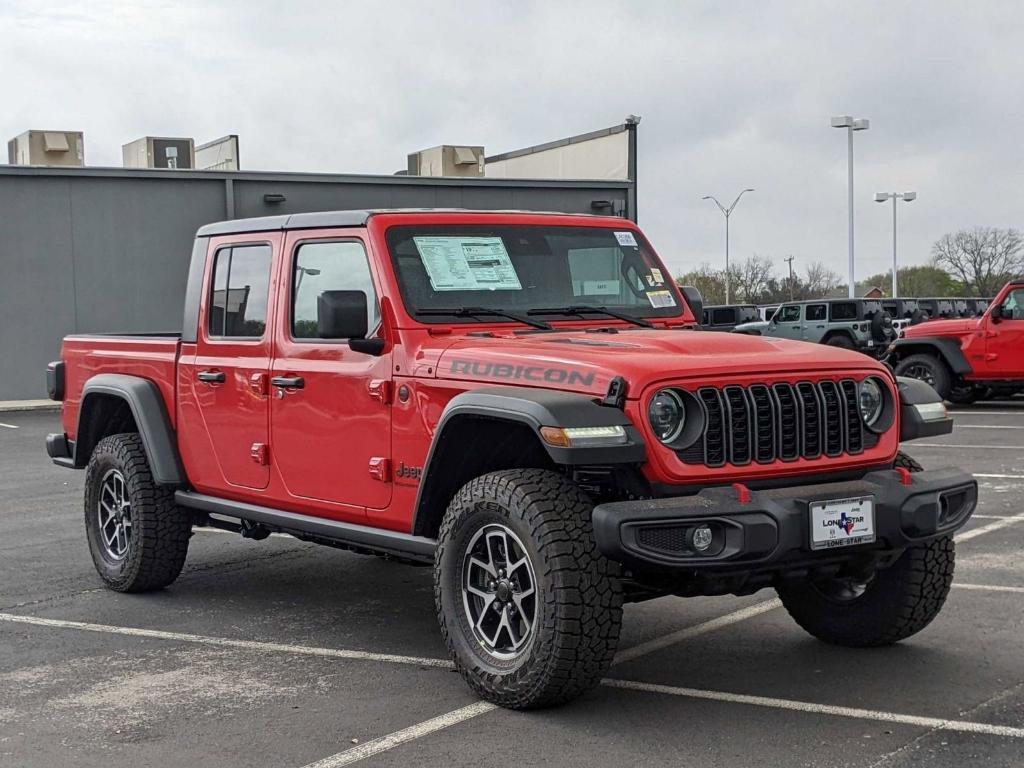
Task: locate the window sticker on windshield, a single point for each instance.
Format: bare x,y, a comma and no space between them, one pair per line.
626,238
656,274
467,263
600,287
661,299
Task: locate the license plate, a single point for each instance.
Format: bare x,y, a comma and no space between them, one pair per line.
842,522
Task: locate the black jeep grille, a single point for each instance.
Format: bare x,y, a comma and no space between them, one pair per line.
781,422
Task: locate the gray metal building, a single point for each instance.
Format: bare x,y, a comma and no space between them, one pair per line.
106,249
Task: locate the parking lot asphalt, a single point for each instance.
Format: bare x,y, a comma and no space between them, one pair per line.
281,653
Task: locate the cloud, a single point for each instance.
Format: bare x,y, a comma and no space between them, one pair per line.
731,96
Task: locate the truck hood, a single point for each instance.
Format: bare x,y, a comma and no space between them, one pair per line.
959,326
587,362
753,325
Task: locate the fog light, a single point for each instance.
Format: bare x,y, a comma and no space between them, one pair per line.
702,538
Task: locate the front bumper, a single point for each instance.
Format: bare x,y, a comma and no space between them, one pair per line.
761,530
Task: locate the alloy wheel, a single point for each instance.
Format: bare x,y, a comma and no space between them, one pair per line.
114,511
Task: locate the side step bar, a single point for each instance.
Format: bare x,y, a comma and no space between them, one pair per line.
348,535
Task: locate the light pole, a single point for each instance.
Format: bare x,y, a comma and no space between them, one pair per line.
851,125
907,197
789,259
727,212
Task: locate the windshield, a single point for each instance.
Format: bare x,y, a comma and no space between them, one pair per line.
523,269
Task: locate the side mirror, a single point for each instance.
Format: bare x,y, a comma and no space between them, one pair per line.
997,313
342,315
695,300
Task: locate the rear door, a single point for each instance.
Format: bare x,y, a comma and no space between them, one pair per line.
228,376
331,432
1004,341
816,318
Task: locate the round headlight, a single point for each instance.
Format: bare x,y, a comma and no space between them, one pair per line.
871,401
667,415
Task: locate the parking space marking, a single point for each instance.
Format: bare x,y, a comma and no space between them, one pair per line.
392,740
963,726
916,444
686,633
1000,477
989,588
990,517
249,645
8,426
993,526
988,426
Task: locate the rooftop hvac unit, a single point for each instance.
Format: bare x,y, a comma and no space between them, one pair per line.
159,152
56,148
447,160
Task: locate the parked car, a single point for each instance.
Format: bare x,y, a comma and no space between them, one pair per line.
725,317
962,358
937,309
975,307
904,313
859,324
521,402
767,310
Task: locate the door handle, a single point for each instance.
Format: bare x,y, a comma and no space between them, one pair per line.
288,382
211,377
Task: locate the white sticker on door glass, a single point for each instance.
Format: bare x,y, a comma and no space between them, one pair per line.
467,264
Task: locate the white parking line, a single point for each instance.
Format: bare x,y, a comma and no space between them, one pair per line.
392,740
698,629
916,444
8,426
989,588
987,426
994,526
984,412
990,517
999,477
249,645
963,726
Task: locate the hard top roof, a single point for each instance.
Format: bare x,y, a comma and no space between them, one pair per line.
324,219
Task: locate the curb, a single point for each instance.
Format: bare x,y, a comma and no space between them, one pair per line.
14,406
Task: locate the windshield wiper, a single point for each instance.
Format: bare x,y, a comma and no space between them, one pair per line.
482,312
584,309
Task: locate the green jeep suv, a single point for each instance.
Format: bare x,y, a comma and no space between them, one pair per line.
860,324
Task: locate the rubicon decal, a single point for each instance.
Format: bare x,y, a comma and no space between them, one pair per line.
521,372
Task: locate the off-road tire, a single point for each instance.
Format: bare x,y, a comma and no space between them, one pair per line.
160,530
899,601
939,372
842,341
964,395
579,603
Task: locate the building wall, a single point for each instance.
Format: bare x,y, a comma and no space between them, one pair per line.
601,156
106,250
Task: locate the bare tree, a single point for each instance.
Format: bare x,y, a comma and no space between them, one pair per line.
821,281
982,258
751,278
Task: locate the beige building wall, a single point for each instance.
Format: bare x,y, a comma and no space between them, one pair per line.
604,157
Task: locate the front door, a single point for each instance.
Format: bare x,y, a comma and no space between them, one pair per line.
228,375
787,322
1004,341
330,405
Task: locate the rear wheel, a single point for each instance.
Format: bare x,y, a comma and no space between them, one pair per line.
929,369
845,342
138,536
528,607
893,604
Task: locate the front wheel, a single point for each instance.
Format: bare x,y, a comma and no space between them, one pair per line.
889,606
929,369
528,607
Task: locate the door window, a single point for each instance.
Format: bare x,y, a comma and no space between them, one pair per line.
816,311
329,266
1013,305
238,298
721,317
790,314
844,310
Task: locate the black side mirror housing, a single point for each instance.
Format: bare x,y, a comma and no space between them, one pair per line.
695,300
341,315
997,313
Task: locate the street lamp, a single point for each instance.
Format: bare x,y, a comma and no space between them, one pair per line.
851,125
727,212
907,197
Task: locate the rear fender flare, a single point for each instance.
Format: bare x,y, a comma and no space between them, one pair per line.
147,407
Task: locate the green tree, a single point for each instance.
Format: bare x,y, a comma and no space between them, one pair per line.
710,282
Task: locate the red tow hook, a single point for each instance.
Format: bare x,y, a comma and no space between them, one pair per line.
742,493
905,476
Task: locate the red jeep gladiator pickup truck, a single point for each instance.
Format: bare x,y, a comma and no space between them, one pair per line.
524,402
963,358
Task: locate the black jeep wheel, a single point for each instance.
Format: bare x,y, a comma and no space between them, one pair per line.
528,607
897,602
929,369
138,536
963,395
845,342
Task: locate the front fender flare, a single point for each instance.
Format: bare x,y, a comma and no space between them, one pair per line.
948,350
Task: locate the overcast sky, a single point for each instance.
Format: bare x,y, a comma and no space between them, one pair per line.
731,95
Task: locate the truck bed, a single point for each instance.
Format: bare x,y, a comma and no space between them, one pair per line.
151,356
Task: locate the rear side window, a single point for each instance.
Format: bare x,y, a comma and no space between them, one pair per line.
721,316
238,299
328,266
816,311
845,310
